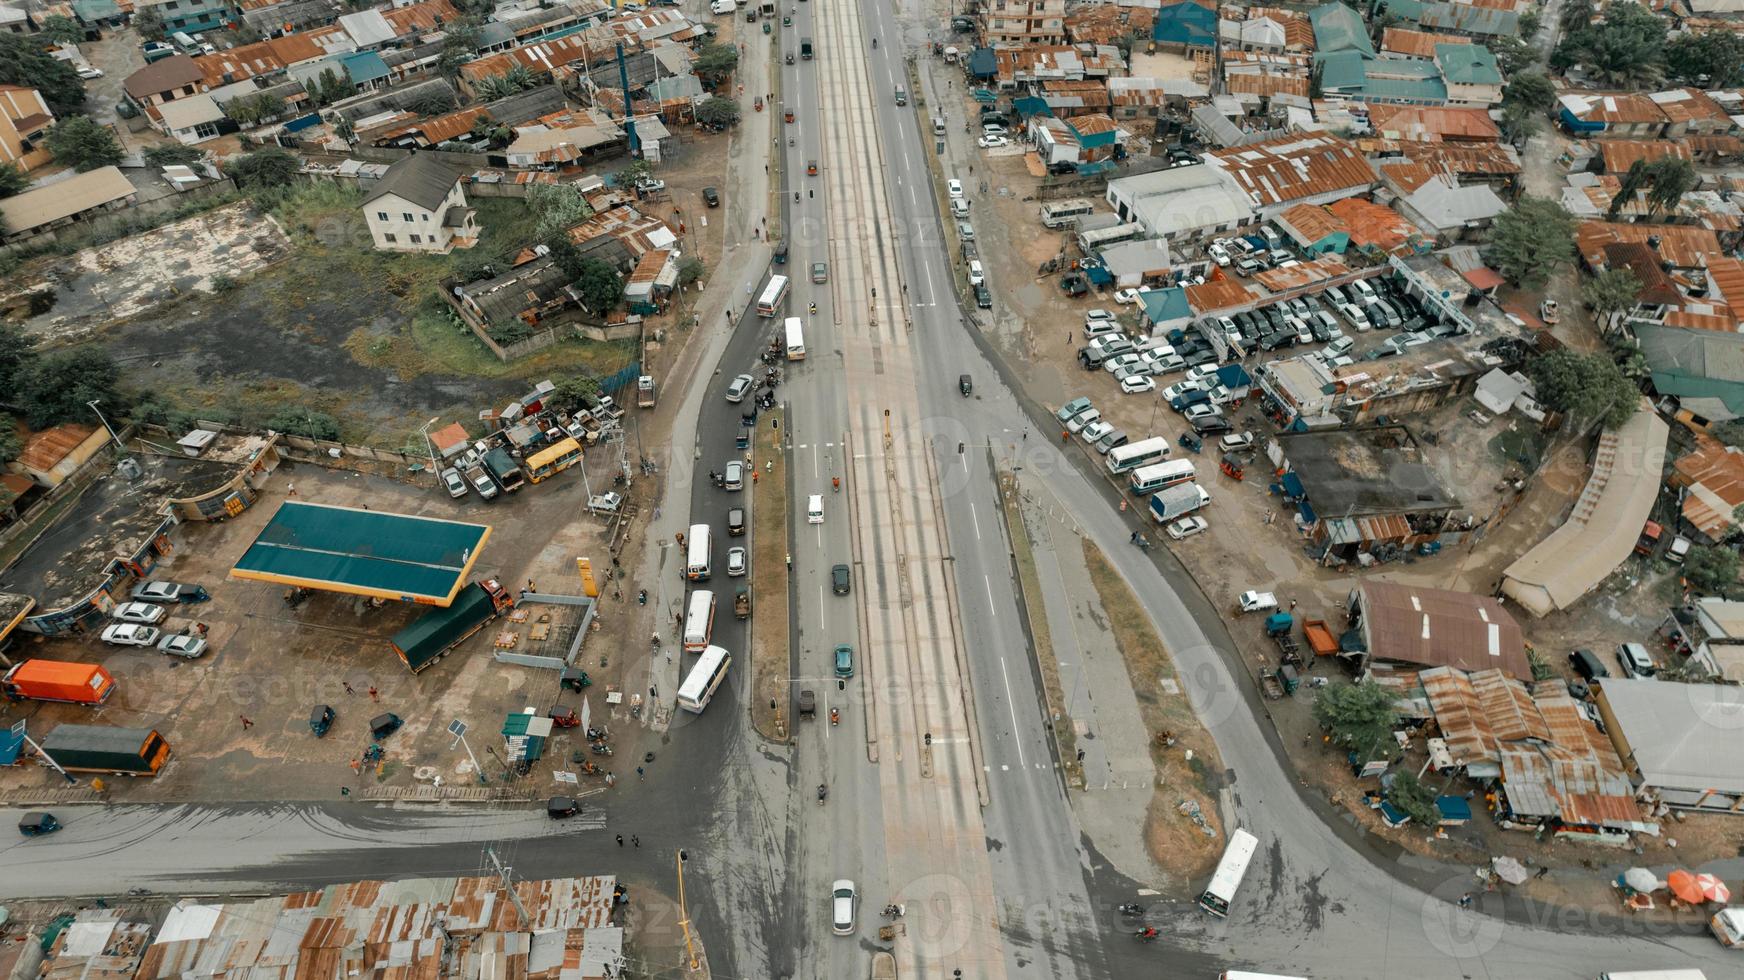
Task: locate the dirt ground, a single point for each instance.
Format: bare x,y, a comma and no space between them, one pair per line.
768,582
271,663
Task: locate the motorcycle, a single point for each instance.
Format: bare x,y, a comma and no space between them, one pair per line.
601,748
1131,909
893,911
596,734
822,792
1146,935
835,717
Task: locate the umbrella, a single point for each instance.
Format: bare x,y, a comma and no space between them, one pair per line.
1713,889
1509,870
1683,885
1642,880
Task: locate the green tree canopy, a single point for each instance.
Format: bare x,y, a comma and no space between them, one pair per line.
303,422
1712,570
433,102
1519,122
1531,240
1626,49
715,63
560,207
12,180
58,387
1611,292
1408,793
23,61
1671,178
17,354
268,169
83,144
600,286
717,110
571,393
1710,59
1360,717
170,154
1532,89
11,443
1512,54
1587,386
690,270
62,29
149,23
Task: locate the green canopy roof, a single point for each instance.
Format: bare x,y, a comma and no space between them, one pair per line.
364,552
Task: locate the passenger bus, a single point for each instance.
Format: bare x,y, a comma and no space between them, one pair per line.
699,621
1091,241
795,339
704,679
1245,975
1136,454
1230,871
1161,476
701,554
552,460
774,294
1065,214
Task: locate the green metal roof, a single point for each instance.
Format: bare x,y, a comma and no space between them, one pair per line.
1339,28
1468,64
364,552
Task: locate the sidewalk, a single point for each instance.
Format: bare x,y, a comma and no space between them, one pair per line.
1119,776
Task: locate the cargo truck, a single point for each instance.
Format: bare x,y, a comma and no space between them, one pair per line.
440,630
504,469
55,680
1182,498
102,748
645,391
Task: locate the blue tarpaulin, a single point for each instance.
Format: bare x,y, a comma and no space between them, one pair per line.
1307,512
1289,485
1455,810
301,123
11,745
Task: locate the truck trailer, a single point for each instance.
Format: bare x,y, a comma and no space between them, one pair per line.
103,748
504,468
56,680
441,630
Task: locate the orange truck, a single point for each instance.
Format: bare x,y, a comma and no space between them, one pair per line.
55,680
1320,638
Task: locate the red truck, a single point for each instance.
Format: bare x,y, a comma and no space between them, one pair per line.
55,680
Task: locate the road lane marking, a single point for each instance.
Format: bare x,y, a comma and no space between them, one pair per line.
1012,707
989,584
973,517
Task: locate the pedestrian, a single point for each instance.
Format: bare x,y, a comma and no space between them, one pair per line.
1293,603
344,791
348,688
618,594
531,587
1542,871
1465,900
1080,755
356,765
374,695
291,490
611,780
620,840
1065,436
246,723
641,773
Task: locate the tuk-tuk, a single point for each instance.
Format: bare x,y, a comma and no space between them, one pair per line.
807,703
1191,442
38,823
781,254
575,679
790,57
811,168
758,104
1233,466
742,604
766,27
965,384
562,717
381,726
788,116
320,719
559,807
786,20
1279,624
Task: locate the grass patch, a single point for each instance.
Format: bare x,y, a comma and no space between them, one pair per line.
768,580
1519,446
1035,613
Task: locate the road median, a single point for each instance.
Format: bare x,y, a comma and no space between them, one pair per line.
769,580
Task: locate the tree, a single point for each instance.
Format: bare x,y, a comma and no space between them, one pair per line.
1512,54
303,422
1672,178
1531,240
690,270
632,172
1627,48
1360,717
24,62
1530,21
432,101
600,286
1710,59
330,87
516,79
1416,800
715,63
62,30
1576,14
12,180
1519,122
572,393
267,169
83,144
150,24
1587,386
17,355
10,442
1611,292
1711,570
1633,181
1532,89
459,46
169,154
1631,362
718,111
560,207
59,386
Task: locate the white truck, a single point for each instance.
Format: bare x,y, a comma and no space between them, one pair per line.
605,503
1182,498
1728,926
1257,602
645,391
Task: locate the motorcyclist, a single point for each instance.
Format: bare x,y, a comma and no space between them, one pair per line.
796,197
823,791
874,43
836,482
814,309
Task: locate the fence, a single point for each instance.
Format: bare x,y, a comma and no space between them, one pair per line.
125,221
343,456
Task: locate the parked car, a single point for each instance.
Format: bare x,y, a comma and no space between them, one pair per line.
169,592
1077,422
1210,425
1100,328
1071,408
1203,410
954,188
1217,253
455,483
1186,527
740,387
733,475
983,297
1164,363
650,185
1137,384
711,197
1636,661
1587,664
965,231
129,635
137,612
1236,441
1123,362
977,275
735,561
182,645
1180,389
1091,316
1094,431
992,140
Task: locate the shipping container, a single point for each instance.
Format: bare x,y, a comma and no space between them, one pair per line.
102,748
55,680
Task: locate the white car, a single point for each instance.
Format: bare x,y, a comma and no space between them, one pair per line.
843,898
1077,422
137,612
735,561
182,645
129,635
1218,253
1137,384
455,482
955,188
1201,411
1202,374
1095,431
977,275
1123,361
1180,388
1164,362
649,185
1126,297
1097,328
992,140
1186,527
740,387
1091,316
89,73
1236,441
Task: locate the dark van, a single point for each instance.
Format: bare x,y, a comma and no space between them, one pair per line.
1588,665
736,521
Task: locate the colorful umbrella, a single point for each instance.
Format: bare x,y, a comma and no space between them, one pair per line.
1642,880
1713,889
1683,885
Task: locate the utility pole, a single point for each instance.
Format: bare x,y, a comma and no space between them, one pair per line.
94,403
507,873
684,914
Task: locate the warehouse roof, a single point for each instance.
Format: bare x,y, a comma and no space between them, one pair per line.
364,552
1678,735
1442,628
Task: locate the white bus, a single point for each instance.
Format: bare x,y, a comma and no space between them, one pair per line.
795,339
1230,870
1245,975
705,678
1136,454
1091,241
1065,214
774,294
1161,476
696,567
1684,974
699,621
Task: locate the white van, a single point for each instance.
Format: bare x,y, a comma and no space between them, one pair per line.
723,6
814,509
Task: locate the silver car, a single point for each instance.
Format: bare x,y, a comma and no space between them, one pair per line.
182,645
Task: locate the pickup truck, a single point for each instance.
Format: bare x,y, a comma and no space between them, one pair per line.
645,391
605,503
480,480
1257,602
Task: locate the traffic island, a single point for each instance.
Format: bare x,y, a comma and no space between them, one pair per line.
1036,620
769,581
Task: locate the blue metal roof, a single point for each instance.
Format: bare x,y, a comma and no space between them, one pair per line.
1165,305
364,67
1185,23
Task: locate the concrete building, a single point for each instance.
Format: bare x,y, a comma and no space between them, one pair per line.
1181,204
24,121
192,120
1679,742
175,77
1363,489
1710,632
419,206
189,16
1023,22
